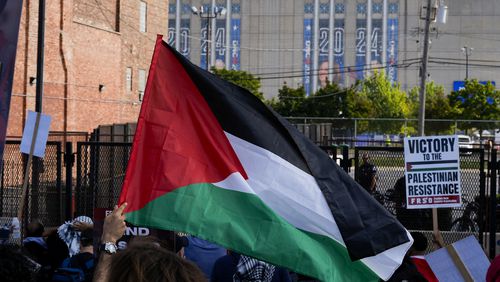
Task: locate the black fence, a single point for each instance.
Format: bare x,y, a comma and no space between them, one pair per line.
64,185
44,195
456,223
101,169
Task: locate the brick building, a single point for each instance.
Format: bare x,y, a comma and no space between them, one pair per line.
97,54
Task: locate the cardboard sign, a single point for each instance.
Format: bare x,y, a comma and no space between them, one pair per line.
471,258
41,136
432,170
166,237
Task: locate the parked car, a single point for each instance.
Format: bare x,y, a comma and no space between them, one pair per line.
465,142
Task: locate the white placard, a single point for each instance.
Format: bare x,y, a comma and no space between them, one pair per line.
469,252
432,170
41,137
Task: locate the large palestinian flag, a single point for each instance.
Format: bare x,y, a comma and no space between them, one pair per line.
212,160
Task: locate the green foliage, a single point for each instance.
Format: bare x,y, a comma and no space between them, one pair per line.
329,101
437,106
476,101
290,102
378,98
241,78
387,100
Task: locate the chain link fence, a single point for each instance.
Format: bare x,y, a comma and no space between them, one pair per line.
383,131
456,223
101,170
44,199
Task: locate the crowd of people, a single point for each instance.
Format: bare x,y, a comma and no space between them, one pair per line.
72,252
68,253
46,255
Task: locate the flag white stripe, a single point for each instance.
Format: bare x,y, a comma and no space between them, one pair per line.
295,196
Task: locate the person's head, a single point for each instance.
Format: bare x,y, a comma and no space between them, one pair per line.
419,243
365,157
323,74
14,266
35,229
87,238
219,64
149,262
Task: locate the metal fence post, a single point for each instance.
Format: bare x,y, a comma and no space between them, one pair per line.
482,198
493,203
68,161
345,158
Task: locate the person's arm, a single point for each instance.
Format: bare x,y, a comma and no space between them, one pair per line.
113,229
82,226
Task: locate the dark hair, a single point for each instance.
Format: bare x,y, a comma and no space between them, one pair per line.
87,238
149,262
420,241
35,229
14,266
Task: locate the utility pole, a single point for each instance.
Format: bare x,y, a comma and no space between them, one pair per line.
425,59
467,51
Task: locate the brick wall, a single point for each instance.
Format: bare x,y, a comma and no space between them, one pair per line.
87,44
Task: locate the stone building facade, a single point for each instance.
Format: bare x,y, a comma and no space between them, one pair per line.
274,40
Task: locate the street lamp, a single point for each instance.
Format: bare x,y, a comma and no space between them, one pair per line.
467,51
208,14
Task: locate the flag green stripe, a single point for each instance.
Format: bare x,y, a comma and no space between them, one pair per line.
242,222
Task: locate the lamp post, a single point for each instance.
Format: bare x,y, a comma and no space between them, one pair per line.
467,51
208,14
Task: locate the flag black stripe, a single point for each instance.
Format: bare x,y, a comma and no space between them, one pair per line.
244,115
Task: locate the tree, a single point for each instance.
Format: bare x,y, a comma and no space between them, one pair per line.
437,106
329,101
241,78
290,102
476,102
378,98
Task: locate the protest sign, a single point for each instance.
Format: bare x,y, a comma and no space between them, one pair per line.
42,134
432,170
464,260
166,238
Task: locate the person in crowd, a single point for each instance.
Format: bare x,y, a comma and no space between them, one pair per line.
493,273
16,267
84,260
407,271
113,228
367,174
149,262
417,219
34,244
236,267
203,254
417,252
181,243
70,232
139,261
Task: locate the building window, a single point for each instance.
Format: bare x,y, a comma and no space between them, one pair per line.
143,10
142,83
128,79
